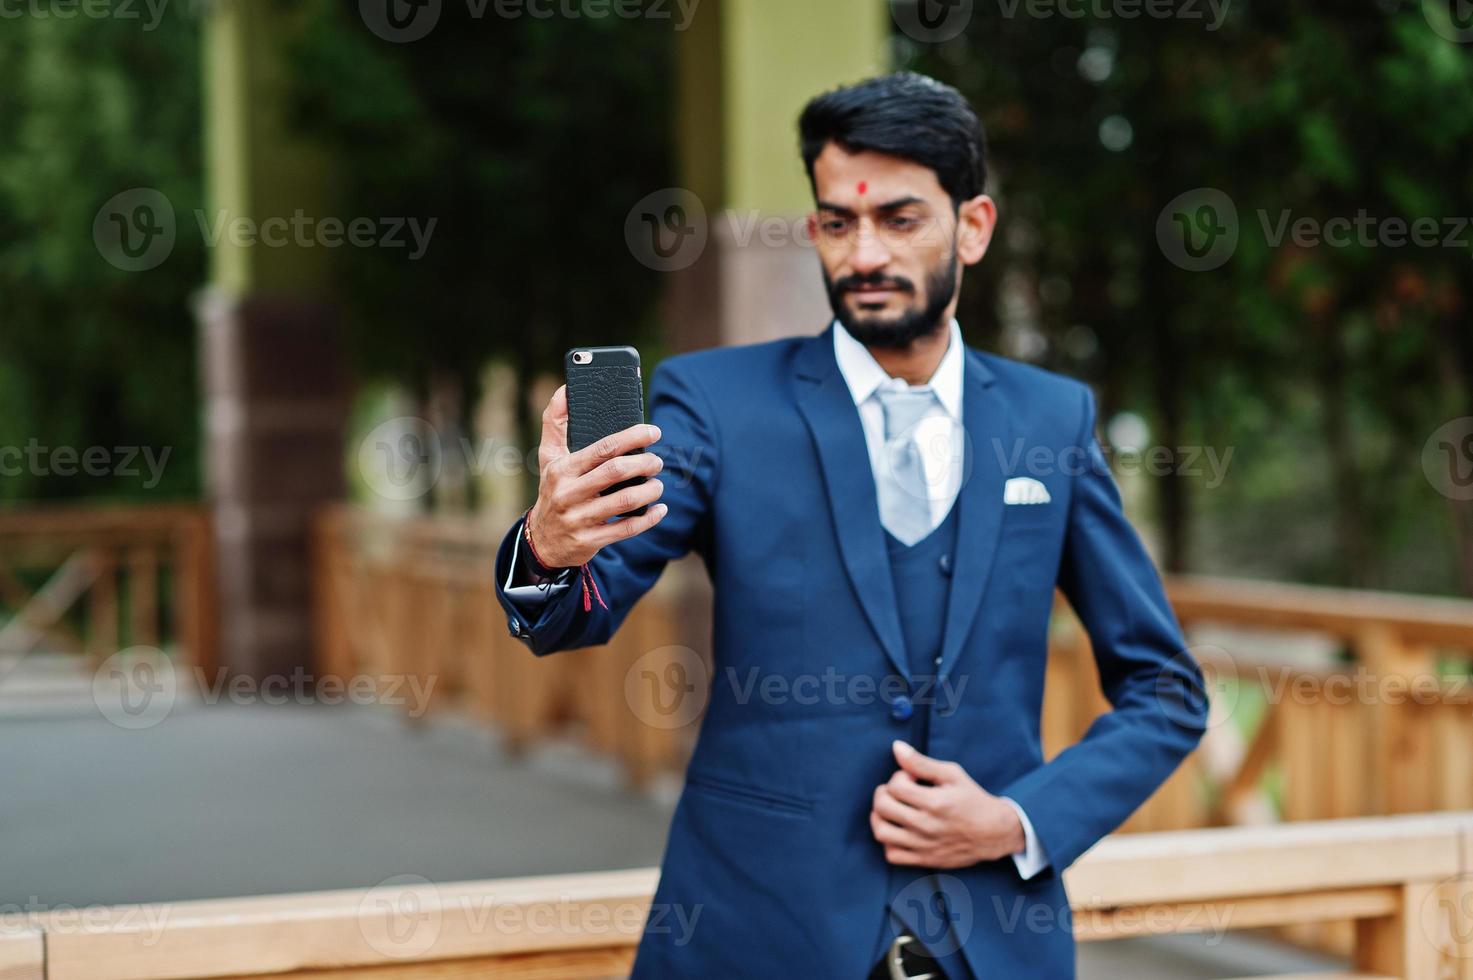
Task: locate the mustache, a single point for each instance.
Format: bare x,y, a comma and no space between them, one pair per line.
848,284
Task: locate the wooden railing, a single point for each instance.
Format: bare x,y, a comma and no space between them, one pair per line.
1380,723
416,597
1290,741
93,580
1406,882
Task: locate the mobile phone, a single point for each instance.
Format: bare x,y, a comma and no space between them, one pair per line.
605,395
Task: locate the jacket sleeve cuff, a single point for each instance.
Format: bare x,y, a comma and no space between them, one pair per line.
530,595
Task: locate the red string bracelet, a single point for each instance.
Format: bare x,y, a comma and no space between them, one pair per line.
585,575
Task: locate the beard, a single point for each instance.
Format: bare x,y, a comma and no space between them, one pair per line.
915,321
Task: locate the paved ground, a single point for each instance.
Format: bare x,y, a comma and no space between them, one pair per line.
233,800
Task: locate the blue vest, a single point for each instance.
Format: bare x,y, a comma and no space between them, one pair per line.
922,575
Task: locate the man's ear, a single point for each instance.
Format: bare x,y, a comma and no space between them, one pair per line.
812,225
976,220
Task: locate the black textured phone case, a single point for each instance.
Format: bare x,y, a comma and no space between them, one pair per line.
601,401
604,399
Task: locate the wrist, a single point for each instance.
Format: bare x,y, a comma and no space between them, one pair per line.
1015,838
536,560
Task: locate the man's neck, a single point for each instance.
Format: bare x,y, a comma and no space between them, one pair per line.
917,362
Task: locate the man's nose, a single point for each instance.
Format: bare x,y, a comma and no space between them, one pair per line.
870,252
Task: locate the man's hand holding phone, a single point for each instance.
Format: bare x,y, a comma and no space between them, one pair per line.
569,523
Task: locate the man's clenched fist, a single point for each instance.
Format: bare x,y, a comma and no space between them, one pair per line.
950,823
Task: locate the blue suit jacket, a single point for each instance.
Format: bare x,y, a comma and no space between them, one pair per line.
767,478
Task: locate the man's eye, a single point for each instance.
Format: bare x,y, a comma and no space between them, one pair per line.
835,226
902,224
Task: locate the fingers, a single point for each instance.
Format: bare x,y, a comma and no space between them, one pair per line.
923,766
891,835
555,427
600,509
903,787
905,856
914,821
629,527
609,447
616,470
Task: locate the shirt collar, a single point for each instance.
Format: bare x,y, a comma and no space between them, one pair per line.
863,373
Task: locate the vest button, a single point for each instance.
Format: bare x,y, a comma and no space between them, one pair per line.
946,565
901,708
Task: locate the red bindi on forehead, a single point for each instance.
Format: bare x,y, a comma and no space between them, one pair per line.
863,187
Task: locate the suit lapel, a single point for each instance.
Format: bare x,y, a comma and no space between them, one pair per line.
988,426
838,436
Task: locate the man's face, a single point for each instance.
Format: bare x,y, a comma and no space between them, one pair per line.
887,236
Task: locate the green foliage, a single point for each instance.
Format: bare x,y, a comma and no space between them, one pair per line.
90,355
1325,367
528,140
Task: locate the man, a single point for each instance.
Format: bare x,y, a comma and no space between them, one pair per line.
885,514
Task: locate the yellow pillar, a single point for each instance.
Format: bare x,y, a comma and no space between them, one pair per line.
275,388
745,68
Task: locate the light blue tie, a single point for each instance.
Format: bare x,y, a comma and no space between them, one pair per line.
904,497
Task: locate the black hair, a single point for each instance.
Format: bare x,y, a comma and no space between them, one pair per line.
904,115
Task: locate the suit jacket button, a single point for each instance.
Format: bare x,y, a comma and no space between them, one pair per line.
901,708
946,565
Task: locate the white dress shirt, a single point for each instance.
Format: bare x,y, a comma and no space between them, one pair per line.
941,439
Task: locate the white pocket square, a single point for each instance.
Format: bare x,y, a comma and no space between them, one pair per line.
1025,490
